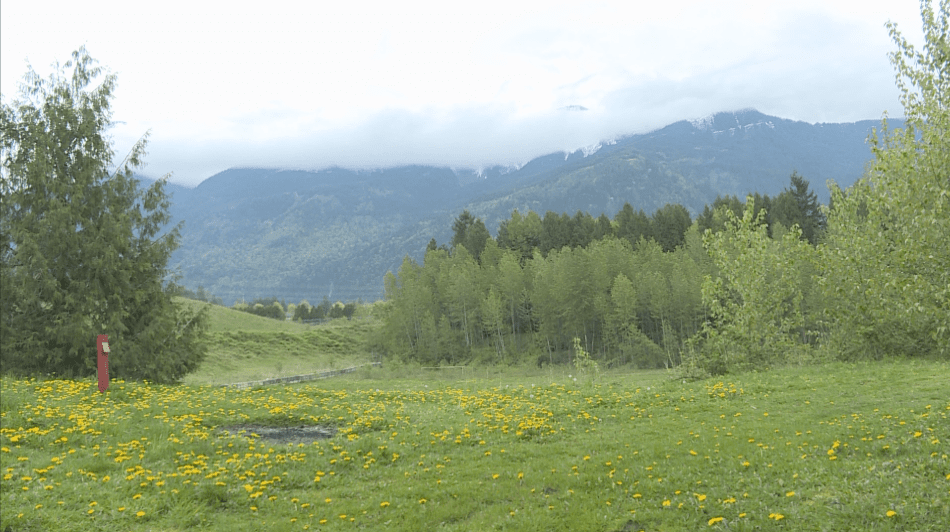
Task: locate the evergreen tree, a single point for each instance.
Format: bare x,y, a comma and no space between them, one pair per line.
521,234
670,223
461,227
470,232
80,246
812,221
715,216
583,229
603,228
302,311
633,225
476,238
556,232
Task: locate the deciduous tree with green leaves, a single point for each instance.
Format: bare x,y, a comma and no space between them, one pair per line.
755,303
80,247
885,264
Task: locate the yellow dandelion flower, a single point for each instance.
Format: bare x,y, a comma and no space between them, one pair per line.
790,494
139,513
384,504
666,502
891,513
714,520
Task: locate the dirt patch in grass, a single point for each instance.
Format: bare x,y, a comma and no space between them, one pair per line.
293,435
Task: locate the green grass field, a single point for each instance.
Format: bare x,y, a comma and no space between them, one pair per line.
834,447
244,347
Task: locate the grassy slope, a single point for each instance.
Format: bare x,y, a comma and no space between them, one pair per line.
835,447
245,347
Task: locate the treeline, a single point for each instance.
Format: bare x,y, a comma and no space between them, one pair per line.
747,284
201,294
325,310
629,288
271,307
796,205
267,307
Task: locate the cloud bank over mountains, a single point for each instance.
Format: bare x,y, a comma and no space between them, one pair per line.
315,85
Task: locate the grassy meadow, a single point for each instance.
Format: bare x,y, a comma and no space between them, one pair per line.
244,347
833,447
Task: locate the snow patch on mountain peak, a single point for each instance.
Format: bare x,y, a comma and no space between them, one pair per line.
590,150
587,151
703,123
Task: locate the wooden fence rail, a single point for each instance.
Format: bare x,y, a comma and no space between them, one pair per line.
300,378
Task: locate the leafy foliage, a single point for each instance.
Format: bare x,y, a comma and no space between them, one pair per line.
885,264
756,301
80,248
543,283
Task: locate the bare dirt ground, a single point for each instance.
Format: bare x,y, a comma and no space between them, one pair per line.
292,435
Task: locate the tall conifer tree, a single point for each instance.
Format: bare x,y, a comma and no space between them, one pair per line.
80,244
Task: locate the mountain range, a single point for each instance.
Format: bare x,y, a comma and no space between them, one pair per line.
261,232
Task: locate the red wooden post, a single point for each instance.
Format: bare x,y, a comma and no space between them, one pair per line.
102,345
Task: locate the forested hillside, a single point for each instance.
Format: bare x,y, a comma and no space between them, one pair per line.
295,235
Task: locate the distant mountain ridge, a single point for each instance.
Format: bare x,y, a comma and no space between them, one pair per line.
257,232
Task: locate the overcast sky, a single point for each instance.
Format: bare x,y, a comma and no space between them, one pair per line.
368,84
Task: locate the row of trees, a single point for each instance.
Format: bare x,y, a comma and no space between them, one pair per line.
325,310
627,301
796,205
528,233
201,294
271,307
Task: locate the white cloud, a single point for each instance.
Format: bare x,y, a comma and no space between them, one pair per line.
359,84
